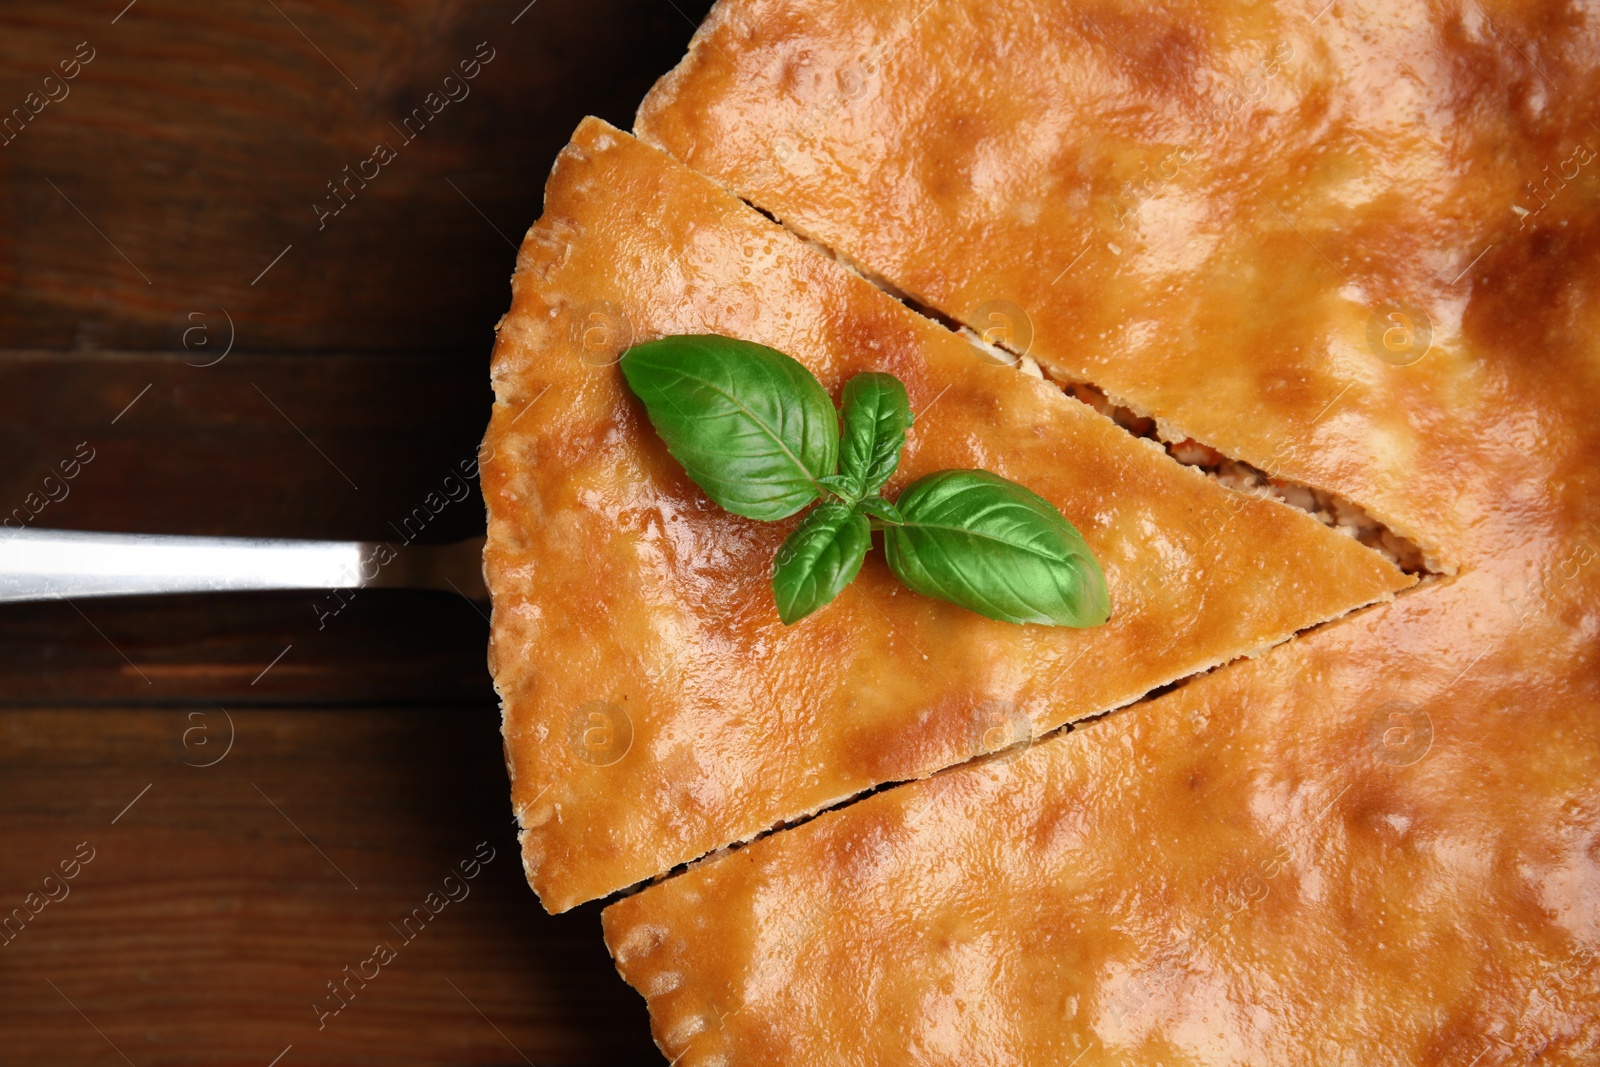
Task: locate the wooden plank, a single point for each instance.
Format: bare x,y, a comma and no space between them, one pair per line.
194,146
217,907
327,445
386,647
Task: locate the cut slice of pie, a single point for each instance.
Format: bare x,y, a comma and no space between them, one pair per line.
1374,844
1262,225
655,708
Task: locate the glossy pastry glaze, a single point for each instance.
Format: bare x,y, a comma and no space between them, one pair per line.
655,707
1209,210
1379,843
1376,844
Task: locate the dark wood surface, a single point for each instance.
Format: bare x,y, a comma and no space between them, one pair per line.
218,906
193,148
142,217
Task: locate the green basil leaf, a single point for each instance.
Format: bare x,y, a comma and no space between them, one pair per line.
821,557
877,414
750,425
881,509
996,548
836,483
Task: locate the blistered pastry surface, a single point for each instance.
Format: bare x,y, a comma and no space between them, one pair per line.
1374,844
1378,843
655,708
1321,238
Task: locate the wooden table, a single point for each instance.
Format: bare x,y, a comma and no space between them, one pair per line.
267,791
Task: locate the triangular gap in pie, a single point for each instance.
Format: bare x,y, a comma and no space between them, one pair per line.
1268,226
655,708
1378,843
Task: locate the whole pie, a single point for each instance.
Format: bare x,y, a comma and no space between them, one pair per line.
1292,313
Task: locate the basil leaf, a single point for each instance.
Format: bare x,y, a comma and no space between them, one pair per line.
880,509
836,483
751,426
996,548
821,557
877,414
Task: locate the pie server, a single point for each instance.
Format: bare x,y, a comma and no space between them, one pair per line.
51,564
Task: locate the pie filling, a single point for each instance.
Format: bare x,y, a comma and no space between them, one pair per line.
1326,507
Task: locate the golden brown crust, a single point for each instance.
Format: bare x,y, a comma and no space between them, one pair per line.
625,603
1379,843
1206,210
1374,844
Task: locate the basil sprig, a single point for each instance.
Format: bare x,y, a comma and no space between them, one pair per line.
757,432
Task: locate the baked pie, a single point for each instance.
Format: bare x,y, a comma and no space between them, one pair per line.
655,708
1339,257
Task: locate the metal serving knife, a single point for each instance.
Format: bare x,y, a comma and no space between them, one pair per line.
51,564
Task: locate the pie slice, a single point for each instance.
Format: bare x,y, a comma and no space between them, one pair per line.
1378,843
655,708
1267,226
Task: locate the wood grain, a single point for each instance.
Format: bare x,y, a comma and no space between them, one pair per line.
388,646
217,907
161,212
191,150
328,445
